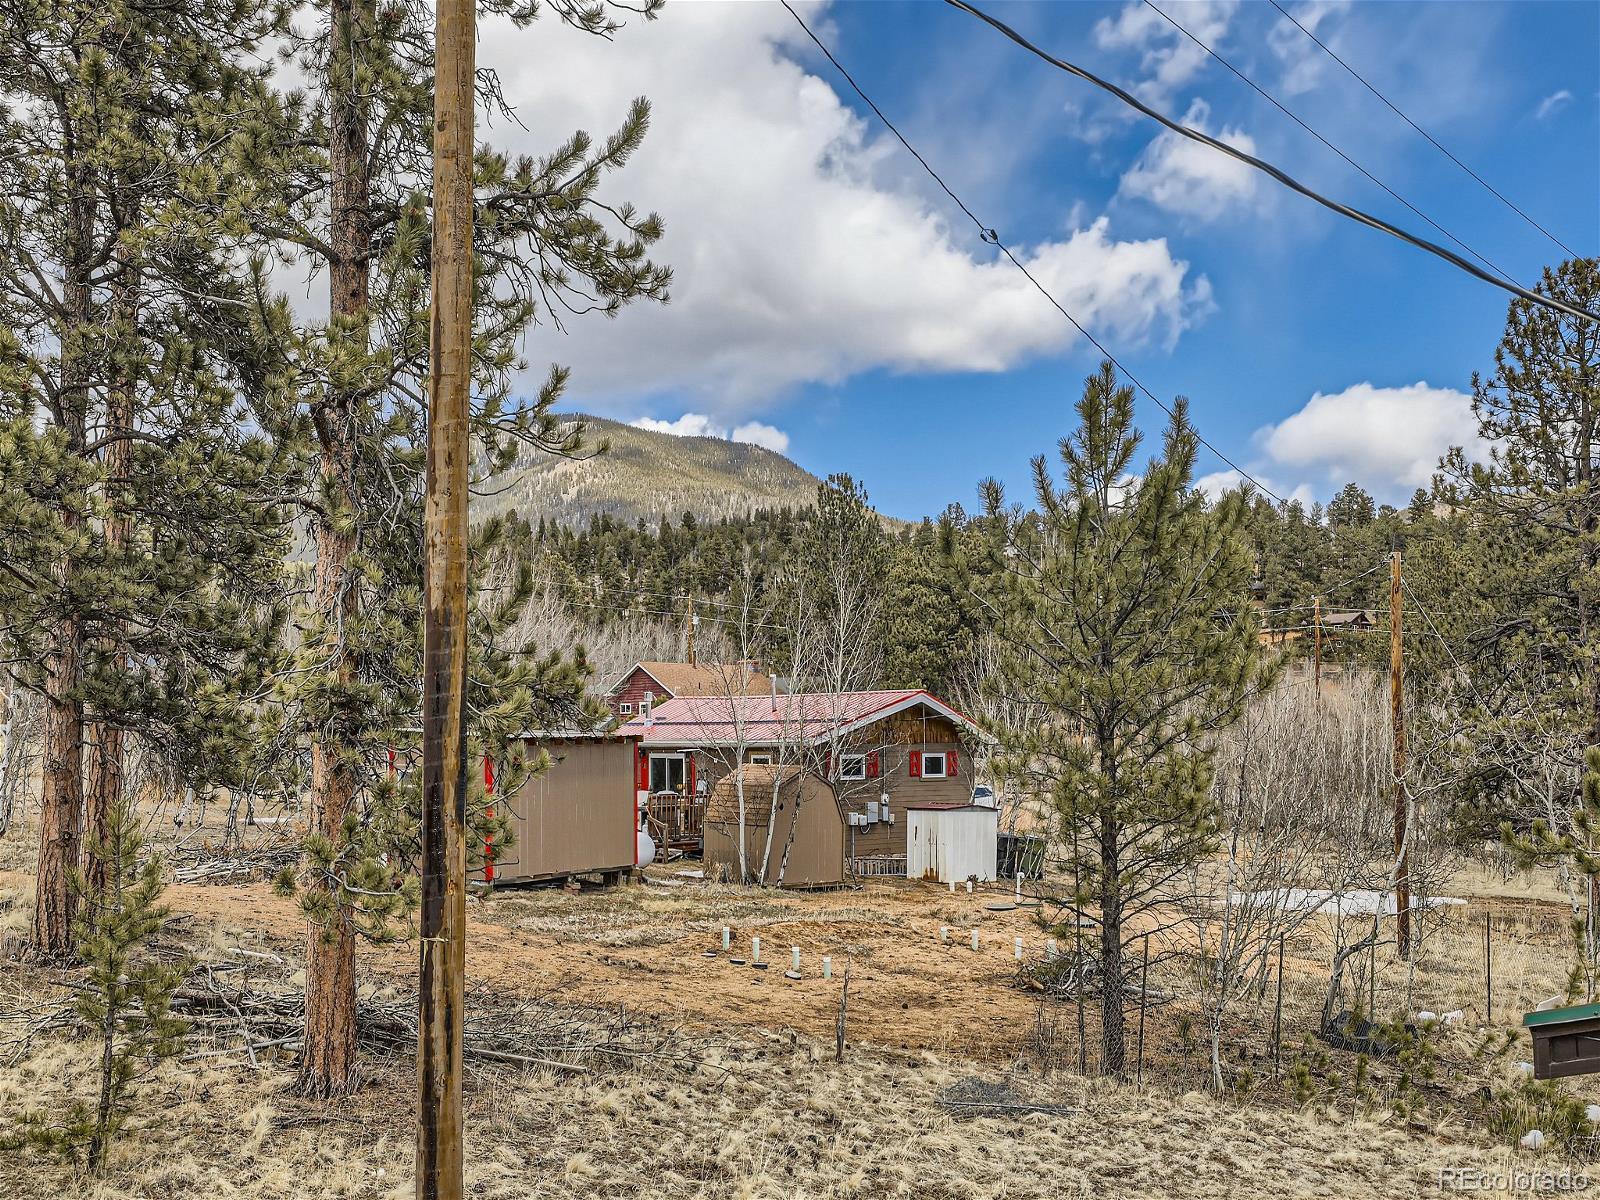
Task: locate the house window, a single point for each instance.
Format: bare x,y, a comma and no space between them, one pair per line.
625,709
667,773
933,765
852,767
762,759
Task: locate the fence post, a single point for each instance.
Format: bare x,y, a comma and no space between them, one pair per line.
1277,1016
1144,995
1488,974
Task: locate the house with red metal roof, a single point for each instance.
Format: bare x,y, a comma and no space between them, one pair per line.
882,751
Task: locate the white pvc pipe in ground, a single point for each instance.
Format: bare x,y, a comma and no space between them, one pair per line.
755,949
827,967
1019,885
974,939
1018,943
944,933
794,958
727,938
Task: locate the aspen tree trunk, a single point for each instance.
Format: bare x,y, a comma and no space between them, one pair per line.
61,816
328,1057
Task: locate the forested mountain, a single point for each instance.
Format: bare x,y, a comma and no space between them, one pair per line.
644,473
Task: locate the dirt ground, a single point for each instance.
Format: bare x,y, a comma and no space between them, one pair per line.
765,1112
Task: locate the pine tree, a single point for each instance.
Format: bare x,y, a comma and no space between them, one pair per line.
143,580
127,998
1128,632
545,244
1522,613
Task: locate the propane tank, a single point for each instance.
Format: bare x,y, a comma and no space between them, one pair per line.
646,843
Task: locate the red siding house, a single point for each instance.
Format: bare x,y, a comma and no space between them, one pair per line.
655,682
882,751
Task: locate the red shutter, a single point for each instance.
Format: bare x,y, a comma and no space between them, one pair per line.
952,764
872,765
690,775
642,773
916,764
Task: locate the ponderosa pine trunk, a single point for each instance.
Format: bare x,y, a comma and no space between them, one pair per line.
328,1057
106,741
61,799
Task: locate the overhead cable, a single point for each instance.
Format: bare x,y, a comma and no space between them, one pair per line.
990,235
1554,303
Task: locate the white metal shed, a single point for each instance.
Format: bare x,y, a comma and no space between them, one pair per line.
948,840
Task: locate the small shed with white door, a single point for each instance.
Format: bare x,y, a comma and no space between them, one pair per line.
951,840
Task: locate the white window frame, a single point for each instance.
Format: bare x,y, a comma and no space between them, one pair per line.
944,764
760,758
625,708
845,763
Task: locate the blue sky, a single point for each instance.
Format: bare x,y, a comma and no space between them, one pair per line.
831,303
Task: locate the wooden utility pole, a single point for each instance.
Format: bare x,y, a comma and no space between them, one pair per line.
690,635
1397,717
444,668
1316,643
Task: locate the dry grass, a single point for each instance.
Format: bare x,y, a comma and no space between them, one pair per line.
768,1114
760,1118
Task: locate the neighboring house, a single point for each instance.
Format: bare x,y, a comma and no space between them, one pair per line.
881,751
1333,624
653,682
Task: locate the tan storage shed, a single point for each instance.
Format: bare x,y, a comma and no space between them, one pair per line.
580,817
807,807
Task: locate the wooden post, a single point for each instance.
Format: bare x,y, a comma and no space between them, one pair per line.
444,667
689,637
1144,993
1397,717
1488,974
1316,643
844,1005
1277,1015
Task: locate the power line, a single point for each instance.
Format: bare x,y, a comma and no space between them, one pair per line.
1554,303
988,234
1571,253
1273,100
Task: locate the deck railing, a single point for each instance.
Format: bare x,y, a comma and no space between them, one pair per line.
878,864
677,821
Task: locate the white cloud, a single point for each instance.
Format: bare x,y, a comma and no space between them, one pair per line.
1219,482
1553,104
1303,61
801,253
1193,180
692,424
1387,439
1169,59
759,434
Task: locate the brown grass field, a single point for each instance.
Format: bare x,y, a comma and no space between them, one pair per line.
750,1103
